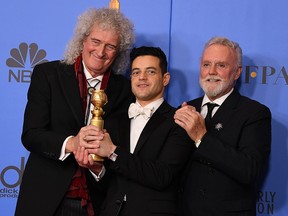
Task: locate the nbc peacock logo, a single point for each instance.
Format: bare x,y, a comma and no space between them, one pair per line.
22,61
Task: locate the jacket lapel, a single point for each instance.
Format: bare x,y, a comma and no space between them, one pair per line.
198,104
124,132
152,124
70,89
112,91
223,114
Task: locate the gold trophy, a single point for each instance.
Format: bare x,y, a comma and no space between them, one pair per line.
114,4
98,99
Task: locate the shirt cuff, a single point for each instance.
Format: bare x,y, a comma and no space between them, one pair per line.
63,154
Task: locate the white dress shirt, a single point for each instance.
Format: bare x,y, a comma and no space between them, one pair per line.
139,122
218,101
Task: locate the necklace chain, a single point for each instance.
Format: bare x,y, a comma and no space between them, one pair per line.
91,88
90,91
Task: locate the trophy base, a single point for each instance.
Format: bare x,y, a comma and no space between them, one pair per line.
97,158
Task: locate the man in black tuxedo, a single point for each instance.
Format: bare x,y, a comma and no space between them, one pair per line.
146,149
232,148
58,111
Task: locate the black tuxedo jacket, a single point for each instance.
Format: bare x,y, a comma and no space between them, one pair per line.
220,177
149,177
54,111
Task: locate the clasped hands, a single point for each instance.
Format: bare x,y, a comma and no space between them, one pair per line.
192,121
91,140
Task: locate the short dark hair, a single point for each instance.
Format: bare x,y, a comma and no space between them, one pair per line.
152,51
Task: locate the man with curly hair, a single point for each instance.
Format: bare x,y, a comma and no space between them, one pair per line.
58,112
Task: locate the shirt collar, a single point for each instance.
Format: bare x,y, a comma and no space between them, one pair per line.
153,105
88,75
218,101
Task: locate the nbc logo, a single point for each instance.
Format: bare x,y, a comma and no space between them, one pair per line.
23,59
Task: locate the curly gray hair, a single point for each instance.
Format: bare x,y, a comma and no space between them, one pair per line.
108,19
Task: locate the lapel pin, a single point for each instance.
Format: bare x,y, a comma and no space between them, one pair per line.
218,126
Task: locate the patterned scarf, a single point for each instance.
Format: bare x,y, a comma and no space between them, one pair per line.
82,82
78,187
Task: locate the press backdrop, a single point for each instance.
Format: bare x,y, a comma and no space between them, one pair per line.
33,31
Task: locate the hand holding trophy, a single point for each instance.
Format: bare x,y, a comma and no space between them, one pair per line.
99,99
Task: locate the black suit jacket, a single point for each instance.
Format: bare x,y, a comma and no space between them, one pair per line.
54,111
220,177
149,177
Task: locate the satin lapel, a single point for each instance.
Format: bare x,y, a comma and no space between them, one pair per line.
152,124
69,85
124,132
112,92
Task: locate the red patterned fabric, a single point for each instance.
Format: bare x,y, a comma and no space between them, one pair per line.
78,188
82,82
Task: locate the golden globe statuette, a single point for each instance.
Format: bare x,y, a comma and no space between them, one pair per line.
114,4
98,99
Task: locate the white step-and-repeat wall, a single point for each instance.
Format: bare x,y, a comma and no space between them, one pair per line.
33,31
